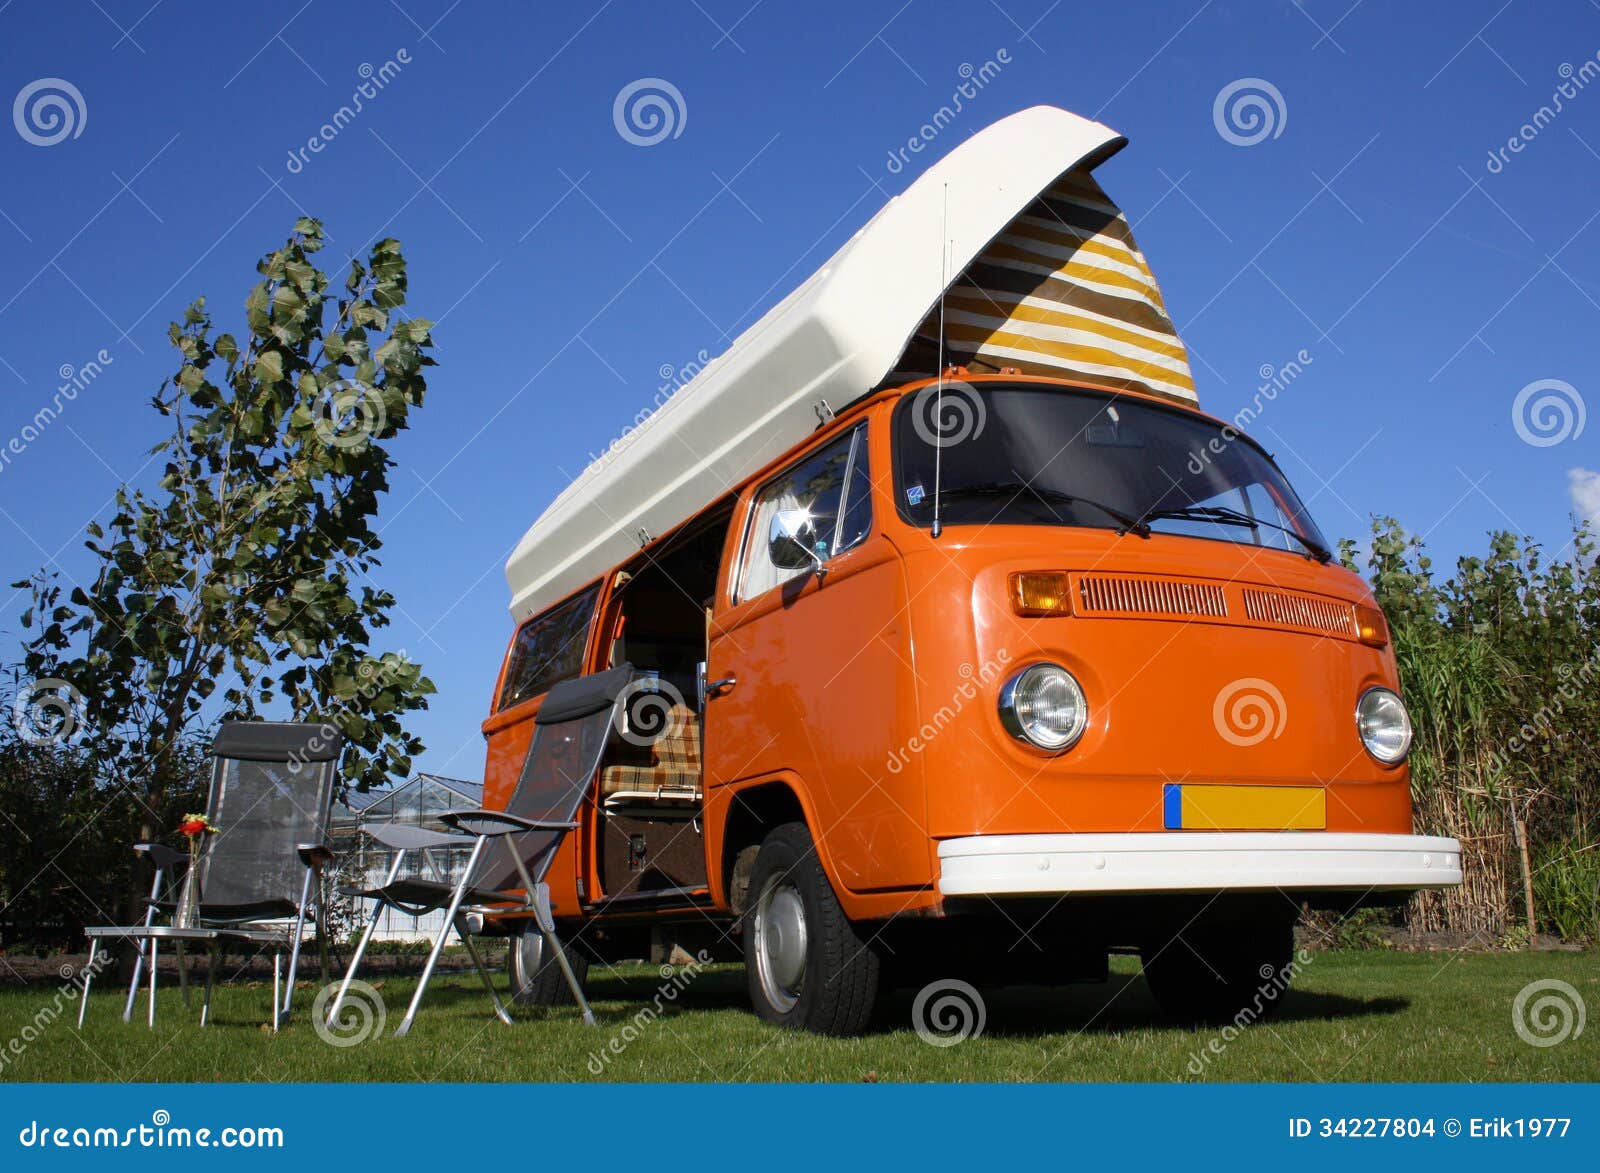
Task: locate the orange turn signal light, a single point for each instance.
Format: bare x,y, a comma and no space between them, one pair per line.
1041,592
1371,627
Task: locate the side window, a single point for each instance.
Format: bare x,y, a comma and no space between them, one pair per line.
549,648
834,486
855,521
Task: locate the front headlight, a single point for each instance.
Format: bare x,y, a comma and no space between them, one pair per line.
1044,706
1384,725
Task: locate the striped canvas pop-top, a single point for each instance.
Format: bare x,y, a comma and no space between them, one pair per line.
1065,291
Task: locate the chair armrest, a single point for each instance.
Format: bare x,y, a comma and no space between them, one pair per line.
405,838
164,857
314,855
492,823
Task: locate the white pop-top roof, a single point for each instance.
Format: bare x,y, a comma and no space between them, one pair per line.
834,339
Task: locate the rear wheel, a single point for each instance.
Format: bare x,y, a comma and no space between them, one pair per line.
536,977
1219,968
806,965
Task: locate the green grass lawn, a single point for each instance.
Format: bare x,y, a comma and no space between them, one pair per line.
1363,1016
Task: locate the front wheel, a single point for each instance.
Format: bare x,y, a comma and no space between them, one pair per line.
806,965
1216,969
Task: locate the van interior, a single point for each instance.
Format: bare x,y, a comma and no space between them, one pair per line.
651,843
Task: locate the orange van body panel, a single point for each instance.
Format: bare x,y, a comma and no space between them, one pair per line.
871,693
1152,686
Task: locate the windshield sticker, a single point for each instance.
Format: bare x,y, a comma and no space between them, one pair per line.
915,494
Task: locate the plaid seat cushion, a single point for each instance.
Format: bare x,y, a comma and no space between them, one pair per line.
668,765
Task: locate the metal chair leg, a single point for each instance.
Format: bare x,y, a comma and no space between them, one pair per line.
211,979
139,945
554,943
355,963
544,917
133,986
294,955
450,915
500,1010
150,1021
88,976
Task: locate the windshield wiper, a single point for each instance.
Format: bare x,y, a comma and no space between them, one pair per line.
1126,521
1223,515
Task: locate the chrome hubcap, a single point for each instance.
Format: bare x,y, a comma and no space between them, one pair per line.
780,927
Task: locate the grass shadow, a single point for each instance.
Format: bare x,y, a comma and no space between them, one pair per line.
1119,1005
1016,1012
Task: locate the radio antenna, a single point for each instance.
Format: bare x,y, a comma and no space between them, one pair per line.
938,396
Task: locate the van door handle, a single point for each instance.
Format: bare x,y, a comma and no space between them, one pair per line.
718,687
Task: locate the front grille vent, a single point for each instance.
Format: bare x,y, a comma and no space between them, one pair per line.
1104,594
1289,610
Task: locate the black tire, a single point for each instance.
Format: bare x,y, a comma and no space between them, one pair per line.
536,979
840,971
1220,969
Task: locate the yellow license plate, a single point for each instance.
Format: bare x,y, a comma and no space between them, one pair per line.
1245,808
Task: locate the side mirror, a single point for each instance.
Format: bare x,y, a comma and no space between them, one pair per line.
792,541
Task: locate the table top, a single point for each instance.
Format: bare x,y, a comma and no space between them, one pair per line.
199,933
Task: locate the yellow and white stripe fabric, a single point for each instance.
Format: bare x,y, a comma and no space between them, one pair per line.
1065,291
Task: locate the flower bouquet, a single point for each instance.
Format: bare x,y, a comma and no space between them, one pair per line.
194,828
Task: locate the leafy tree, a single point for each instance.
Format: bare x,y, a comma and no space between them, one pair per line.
1500,666
242,584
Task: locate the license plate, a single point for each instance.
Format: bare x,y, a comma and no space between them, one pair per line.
1244,808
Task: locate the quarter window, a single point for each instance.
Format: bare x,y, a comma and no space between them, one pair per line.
549,649
834,486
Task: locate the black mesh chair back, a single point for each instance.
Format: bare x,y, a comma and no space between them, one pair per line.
271,789
511,849
569,738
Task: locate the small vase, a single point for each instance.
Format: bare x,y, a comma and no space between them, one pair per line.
187,915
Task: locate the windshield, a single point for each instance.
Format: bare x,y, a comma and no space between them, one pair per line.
1019,455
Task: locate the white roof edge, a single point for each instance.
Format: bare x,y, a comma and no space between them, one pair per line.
834,338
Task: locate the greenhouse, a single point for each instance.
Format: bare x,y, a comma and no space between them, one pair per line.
418,802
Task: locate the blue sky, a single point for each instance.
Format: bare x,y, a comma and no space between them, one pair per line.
568,267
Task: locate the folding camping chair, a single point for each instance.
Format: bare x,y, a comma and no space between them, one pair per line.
510,851
271,788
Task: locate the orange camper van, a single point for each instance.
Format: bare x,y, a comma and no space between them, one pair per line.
964,644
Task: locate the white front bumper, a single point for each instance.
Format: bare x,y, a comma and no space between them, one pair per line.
1195,861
